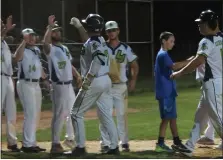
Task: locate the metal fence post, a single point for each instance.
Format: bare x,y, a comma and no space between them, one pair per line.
152,37
63,19
127,21
21,14
96,6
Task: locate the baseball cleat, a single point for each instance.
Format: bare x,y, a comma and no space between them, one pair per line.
125,147
205,141
14,148
69,143
40,149
56,149
104,149
30,149
163,148
182,149
77,152
113,151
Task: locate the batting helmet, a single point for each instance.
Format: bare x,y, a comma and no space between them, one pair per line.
94,22
208,16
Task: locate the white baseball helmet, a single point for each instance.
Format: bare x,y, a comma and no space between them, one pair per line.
111,25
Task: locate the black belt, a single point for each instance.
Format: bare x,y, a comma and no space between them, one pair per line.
31,80
62,83
3,74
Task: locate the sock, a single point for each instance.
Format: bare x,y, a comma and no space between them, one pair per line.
176,140
161,140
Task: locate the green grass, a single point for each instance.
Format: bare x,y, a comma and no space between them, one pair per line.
143,125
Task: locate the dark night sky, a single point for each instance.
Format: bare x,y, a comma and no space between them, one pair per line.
174,16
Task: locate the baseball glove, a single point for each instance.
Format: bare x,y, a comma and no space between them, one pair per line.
114,72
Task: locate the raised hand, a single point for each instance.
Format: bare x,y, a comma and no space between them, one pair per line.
51,21
9,25
75,22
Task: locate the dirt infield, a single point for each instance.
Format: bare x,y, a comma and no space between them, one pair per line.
147,146
46,117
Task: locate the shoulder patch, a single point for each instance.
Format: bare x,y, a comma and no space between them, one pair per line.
204,46
94,45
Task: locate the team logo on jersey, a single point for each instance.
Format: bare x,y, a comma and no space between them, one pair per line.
95,46
204,46
120,57
83,50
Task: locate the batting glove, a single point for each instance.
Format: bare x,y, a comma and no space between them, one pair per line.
75,22
86,84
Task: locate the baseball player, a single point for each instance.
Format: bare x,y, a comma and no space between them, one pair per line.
96,86
120,56
209,55
29,73
61,75
7,89
166,91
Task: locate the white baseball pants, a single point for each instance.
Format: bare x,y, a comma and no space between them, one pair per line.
119,96
62,97
210,106
99,92
9,106
209,131
31,99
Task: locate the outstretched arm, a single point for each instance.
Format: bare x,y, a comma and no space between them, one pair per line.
179,65
77,24
47,36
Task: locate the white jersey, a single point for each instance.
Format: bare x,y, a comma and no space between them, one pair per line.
95,47
211,47
6,59
59,63
122,55
30,66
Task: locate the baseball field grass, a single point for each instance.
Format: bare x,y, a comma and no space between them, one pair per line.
143,125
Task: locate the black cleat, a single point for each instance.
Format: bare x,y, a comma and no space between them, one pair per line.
104,149
182,149
14,148
77,152
30,149
125,147
113,151
40,149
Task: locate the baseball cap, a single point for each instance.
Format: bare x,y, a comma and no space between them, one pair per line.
56,27
206,16
28,31
111,25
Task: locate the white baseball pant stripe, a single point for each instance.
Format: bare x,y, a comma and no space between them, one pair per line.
210,106
119,96
9,106
31,99
99,92
61,97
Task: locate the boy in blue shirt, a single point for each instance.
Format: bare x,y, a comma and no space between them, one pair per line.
166,90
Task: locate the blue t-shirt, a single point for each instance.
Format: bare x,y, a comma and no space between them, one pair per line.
165,87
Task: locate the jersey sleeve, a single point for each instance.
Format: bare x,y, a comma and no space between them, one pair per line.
164,60
130,55
205,47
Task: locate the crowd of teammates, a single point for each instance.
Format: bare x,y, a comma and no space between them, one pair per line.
103,72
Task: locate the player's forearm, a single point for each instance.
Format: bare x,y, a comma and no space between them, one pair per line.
47,40
43,74
19,53
75,72
191,66
83,34
134,70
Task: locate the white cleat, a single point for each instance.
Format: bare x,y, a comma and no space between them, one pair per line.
205,141
69,143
